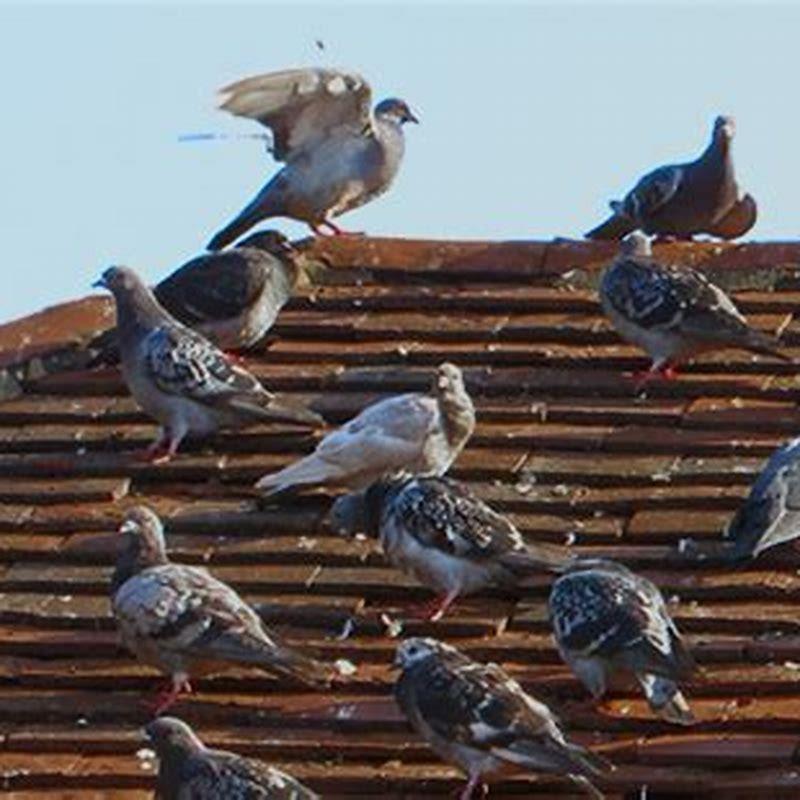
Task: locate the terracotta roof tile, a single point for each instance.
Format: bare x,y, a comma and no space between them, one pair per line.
562,445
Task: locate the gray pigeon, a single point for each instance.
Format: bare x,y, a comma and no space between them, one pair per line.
477,717
673,313
440,532
339,152
608,620
771,513
681,200
232,298
180,378
188,770
183,621
415,433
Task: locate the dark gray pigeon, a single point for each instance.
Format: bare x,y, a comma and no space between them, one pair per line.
671,312
179,377
421,434
682,200
232,298
188,770
771,513
440,532
475,716
608,620
339,152
183,621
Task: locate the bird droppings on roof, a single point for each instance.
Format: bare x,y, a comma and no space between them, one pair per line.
629,479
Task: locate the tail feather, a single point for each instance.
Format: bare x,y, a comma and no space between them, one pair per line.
538,557
563,757
666,699
281,411
309,471
764,344
300,667
615,227
233,230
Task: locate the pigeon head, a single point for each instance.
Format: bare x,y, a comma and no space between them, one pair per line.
169,735
636,244
724,129
347,515
144,535
118,280
449,379
418,649
270,241
395,110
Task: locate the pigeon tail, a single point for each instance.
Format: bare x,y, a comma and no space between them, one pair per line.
666,699
275,411
766,345
233,230
563,757
615,227
538,557
300,667
267,203
309,471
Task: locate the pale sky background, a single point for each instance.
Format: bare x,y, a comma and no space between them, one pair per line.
533,116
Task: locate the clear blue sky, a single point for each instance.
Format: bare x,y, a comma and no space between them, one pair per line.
533,116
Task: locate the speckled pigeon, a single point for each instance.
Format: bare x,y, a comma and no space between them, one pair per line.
444,535
183,621
339,152
770,515
681,200
188,770
232,298
421,434
609,620
674,313
475,716
179,377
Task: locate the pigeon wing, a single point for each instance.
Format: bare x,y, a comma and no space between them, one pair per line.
302,106
652,192
215,287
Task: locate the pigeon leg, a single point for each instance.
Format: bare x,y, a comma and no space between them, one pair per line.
337,231
474,780
155,450
441,607
659,371
317,230
434,609
167,696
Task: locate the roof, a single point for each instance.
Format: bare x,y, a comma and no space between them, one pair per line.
561,444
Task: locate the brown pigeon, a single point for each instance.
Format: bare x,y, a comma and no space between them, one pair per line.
682,200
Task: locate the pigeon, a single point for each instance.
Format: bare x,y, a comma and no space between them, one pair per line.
770,515
179,377
439,531
232,298
187,769
681,200
673,312
607,620
183,621
339,152
415,433
477,717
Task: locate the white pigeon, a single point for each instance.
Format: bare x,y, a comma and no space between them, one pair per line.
421,434
179,377
340,153
609,620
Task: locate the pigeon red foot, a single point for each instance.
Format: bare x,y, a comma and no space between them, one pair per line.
334,229
168,695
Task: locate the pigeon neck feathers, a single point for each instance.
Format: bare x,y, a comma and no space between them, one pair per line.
137,309
144,548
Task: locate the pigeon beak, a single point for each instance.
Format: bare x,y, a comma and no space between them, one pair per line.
100,283
411,118
129,526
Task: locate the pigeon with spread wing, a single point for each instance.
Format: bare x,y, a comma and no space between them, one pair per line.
444,535
672,312
681,200
179,377
421,434
339,152
609,620
183,621
475,716
187,769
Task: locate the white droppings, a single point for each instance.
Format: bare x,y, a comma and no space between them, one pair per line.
346,712
337,85
345,667
571,538
394,627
